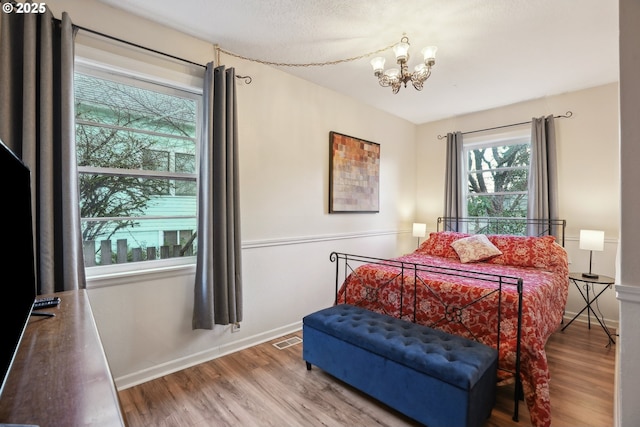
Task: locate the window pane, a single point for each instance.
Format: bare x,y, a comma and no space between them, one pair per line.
497,177
113,103
123,129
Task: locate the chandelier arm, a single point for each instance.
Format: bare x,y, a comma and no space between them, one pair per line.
418,79
418,85
384,82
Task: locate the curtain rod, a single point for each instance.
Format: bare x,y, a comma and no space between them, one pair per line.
98,33
565,116
247,79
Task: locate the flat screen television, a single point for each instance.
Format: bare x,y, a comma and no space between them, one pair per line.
17,259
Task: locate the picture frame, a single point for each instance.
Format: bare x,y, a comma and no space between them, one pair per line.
354,174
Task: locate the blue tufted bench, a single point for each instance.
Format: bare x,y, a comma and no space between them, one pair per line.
438,379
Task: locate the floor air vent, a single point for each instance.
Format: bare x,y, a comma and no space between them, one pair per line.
287,343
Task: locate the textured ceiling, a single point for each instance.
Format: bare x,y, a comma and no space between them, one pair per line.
490,52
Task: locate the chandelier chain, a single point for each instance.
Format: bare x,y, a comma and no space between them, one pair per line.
308,64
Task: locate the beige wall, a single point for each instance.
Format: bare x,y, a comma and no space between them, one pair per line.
588,163
284,152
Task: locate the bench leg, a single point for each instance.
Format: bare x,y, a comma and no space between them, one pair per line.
308,366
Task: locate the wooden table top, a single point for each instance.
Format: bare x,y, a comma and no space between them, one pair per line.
60,376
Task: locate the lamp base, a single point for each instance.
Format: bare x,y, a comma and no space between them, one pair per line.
590,275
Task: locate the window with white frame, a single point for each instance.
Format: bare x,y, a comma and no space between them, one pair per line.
496,171
136,143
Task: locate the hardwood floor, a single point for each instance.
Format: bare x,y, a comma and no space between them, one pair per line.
265,386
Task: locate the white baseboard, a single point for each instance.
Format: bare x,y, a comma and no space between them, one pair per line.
610,323
145,375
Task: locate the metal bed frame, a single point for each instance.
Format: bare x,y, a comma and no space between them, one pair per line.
348,263
505,225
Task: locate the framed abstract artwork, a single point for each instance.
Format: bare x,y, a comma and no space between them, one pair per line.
354,174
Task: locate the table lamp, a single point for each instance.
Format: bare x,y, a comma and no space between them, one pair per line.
419,230
591,240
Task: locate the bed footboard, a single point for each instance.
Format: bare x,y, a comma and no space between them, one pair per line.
419,293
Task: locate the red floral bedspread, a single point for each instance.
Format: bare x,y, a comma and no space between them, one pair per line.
469,307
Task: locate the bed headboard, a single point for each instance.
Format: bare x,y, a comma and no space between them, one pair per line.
501,225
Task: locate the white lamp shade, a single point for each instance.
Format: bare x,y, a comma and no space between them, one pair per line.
378,64
401,50
592,240
392,73
419,230
429,52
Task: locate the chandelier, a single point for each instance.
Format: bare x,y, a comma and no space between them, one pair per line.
397,77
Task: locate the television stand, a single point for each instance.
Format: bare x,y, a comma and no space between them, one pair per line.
60,372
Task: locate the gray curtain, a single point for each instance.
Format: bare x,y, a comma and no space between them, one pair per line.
453,203
37,123
218,285
543,183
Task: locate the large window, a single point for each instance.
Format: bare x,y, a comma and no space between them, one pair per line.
136,152
496,174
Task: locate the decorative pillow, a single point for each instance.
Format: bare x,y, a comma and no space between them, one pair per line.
475,248
524,251
439,244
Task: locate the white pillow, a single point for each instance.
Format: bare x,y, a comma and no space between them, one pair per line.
475,248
